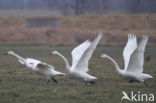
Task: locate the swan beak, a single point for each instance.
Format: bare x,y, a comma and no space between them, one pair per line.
51,53
6,53
101,57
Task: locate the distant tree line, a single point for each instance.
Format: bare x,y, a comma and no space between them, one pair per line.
120,6
83,6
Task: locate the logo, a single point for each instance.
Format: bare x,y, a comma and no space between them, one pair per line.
140,97
125,96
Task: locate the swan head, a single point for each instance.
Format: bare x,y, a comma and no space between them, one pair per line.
53,52
8,52
103,56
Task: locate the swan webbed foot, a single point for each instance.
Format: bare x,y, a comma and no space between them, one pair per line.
54,80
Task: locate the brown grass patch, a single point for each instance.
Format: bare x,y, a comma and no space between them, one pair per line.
76,29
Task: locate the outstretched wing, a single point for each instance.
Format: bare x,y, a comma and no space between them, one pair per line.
35,61
78,51
40,65
82,64
137,58
44,66
129,48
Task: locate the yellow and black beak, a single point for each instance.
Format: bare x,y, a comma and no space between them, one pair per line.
51,53
101,57
6,53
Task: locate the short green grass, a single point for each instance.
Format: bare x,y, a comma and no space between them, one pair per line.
20,85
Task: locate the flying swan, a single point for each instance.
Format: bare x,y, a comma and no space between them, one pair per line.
37,66
80,57
133,60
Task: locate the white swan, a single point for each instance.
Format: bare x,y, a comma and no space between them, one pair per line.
80,57
37,66
133,59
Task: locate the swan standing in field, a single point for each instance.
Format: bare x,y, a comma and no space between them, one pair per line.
37,66
80,57
133,60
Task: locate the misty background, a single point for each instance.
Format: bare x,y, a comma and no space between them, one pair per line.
77,7
70,22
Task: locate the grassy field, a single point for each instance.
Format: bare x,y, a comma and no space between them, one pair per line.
20,85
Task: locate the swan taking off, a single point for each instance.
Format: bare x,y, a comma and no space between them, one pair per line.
80,57
133,60
37,66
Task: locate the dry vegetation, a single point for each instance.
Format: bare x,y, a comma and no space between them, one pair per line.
76,29
20,85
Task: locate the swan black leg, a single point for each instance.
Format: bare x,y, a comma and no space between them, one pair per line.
48,81
131,81
145,84
54,80
92,82
86,83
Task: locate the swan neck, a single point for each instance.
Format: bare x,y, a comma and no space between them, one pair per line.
65,61
115,64
18,57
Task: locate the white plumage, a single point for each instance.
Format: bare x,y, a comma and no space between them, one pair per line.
133,59
37,66
80,57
